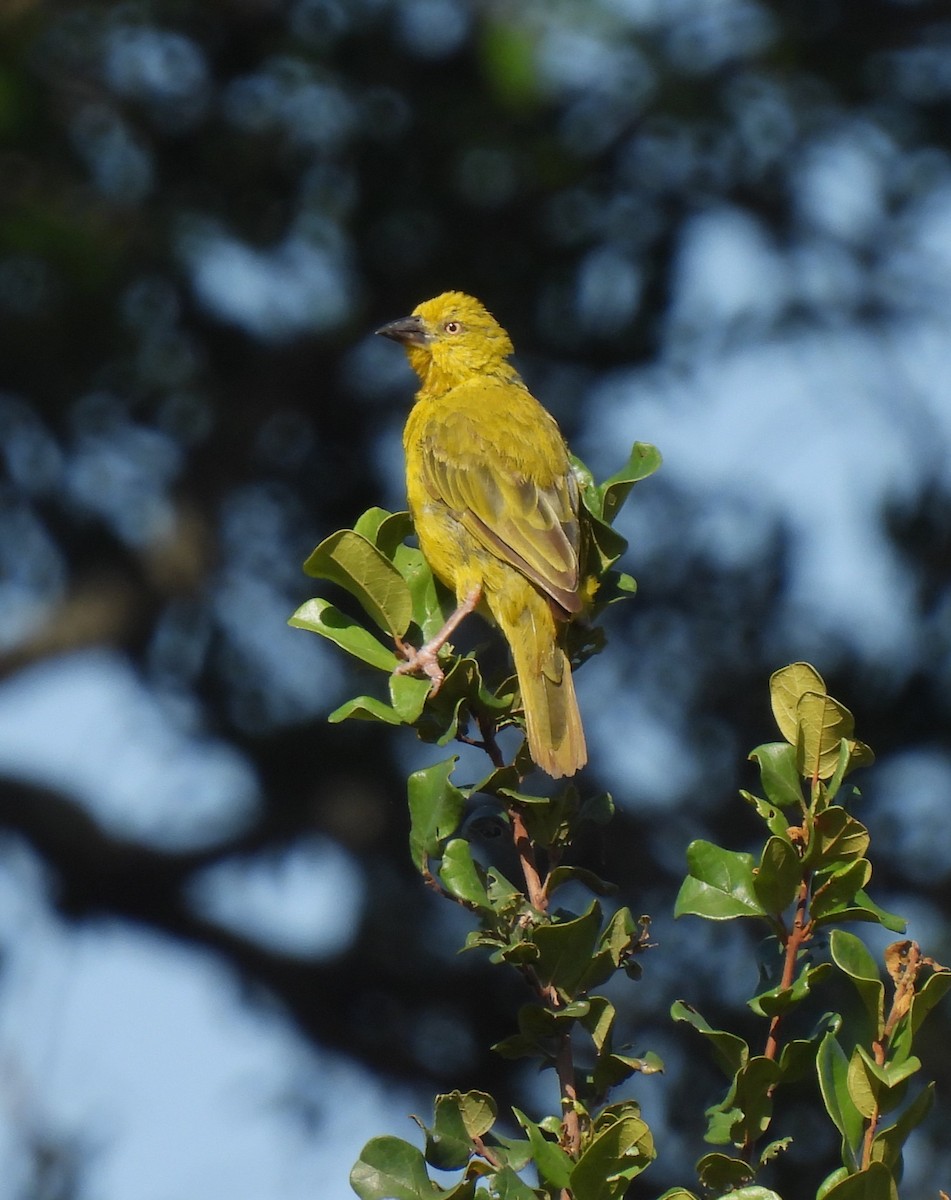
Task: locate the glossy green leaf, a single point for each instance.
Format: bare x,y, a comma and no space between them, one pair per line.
719,886
838,889
731,1051
408,696
611,1159
458,1117
320,616
565,950
832,1067
390,1169
644,460
349,560
778,773
553,1164
779,877
507,1186
461,876
874,1183
851,955
365,708
435,808
771,814
786,687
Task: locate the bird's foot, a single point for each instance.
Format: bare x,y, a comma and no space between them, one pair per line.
424,660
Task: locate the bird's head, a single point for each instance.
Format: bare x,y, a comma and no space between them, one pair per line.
451,338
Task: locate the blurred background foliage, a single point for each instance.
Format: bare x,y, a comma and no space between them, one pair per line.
723,226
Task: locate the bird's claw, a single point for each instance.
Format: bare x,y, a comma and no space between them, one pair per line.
424,660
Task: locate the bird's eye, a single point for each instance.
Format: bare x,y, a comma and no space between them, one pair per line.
452,327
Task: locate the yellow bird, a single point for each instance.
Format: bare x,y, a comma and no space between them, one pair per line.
495,505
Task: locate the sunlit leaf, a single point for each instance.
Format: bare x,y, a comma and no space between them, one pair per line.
320,616
349,560
823,723
365,708
874,1183
390,1169
786,687
779,773
611,1159
719,886
644,460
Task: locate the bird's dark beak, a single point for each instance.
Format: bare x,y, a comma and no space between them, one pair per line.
408,330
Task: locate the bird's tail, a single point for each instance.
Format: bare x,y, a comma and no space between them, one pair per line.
555,734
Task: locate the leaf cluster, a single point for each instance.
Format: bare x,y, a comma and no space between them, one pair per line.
809,878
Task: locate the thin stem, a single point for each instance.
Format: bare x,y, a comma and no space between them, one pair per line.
526,856
799,934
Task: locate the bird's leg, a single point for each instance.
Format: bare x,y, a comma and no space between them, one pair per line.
426,659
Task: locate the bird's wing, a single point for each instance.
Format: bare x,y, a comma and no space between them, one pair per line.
510,485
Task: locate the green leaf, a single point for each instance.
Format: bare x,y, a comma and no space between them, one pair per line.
611,1159
823,723
719,886
320,616
391,530
746,1111
677,1193
838,890
347,559
731,1052
720,1173
506,1185
461,876
786,686
390,1169
850,955
644,460
874,1183
832,1067
435,809
769,813
365,708
779,876
931,992
565,950
867,910
458,1118
594,883
408,695
889,1143
552,1163
779,999
778,773
836,838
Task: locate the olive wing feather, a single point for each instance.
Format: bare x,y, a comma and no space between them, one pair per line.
530,523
